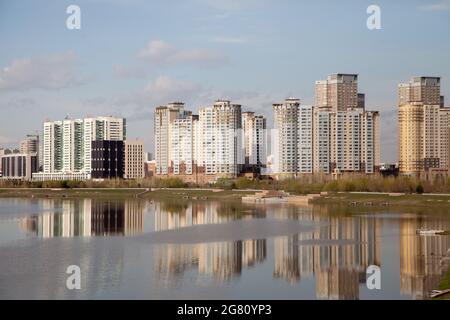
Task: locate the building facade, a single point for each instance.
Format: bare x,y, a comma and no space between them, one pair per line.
108,159
134,159
339,92
423,138
163,117
19,166
67,145
254,132
285,137
30,144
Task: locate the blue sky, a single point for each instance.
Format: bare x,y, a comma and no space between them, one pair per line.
130,56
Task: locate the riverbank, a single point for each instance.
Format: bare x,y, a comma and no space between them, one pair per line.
144,193
374,199
353,199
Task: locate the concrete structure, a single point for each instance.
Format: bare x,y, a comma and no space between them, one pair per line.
322,141
134,159
425,90
67,145
355,142
181,145
311,140
254,129
108,159
164,116
305,140
30,144
201,148
285,137
226,158
339,92
423,127
19,166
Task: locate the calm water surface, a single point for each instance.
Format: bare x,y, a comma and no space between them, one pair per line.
138,249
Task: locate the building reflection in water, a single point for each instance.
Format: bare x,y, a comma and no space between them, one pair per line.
339,268
86,218
336,254
339,256
423,259
221,260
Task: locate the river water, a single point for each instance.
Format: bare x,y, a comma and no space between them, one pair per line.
142,249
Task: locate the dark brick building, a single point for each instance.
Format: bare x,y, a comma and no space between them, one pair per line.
108,159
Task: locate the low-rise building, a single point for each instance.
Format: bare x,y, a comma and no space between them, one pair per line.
19,166
108,159
134,159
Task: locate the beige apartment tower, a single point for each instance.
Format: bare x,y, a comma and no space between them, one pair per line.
423,127
134,159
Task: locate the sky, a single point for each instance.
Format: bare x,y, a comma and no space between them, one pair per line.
132,55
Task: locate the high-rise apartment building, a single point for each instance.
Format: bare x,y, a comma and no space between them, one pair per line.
134,159
322,141
425,90
254,129
285,138
305,139
182,145
200,148
339,92
67,145
30,144
423,127
355,145
221,141
164,116
335,136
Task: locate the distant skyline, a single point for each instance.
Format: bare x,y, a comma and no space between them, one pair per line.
131,56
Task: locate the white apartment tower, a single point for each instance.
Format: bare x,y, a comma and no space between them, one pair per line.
254,130
182,145
336,135
321,141
67,144
285,137
221,141
305,139
164,116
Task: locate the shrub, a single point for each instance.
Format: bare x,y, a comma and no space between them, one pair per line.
419,189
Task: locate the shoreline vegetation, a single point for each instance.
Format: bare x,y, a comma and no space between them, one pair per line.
313,184
370,191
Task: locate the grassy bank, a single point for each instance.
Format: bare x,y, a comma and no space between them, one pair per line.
444,285
368,200
302,185
343,200
169,194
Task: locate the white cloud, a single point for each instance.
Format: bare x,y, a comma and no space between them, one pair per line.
130,72
139,105
161,52
50,72
443,5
